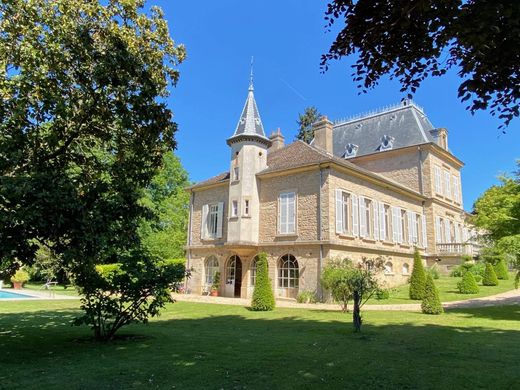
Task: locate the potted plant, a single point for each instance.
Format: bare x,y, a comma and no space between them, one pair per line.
19,278
216,285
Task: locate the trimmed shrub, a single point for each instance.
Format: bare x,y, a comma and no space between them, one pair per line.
490,277
263,298
433,271
20,276
382,294
501,269
468,284
418,278
431,304
306,297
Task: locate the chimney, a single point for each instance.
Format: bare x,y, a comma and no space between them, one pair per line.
440,136
277,141
323,134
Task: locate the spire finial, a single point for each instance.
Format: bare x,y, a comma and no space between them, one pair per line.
251,76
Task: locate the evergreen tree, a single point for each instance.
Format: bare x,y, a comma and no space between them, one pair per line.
490,277
468,284
305,121
418,278
431,304
501,269
263,298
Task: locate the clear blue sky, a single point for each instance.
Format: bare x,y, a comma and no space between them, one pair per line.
286,39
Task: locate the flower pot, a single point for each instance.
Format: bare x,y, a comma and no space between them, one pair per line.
17,285
214,293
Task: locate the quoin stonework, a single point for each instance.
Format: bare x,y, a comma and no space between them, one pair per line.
375,186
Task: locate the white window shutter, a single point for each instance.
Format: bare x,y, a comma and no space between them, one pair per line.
409,216
339,211
447,184
400,221
204,222
423,227
220,218
362,217
438,186
465,234
457,233
355,215
447,231
438,230
375,212
395,224
455,184
291,218
382,222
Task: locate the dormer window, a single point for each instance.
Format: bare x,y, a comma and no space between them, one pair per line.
387,142
350,150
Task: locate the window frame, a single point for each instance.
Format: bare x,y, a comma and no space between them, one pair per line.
281,196
286,278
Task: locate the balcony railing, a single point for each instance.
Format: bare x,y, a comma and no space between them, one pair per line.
458,249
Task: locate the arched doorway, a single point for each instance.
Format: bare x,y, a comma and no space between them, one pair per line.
234,277
288,276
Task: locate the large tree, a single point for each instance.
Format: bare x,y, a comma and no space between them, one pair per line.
305,121
413,39
83,128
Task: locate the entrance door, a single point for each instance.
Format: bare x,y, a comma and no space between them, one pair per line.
233,277
238,277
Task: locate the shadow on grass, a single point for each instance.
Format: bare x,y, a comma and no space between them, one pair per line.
507,312
234,349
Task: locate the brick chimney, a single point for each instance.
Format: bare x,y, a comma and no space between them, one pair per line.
323,134
277,141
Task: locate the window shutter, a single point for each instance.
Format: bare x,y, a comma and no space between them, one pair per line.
457,233
409,216
400,222
355,215
339,211
376,219
423,227
204,222
465,234
220,218
395,224
291,218
438,188
447,184
438,230
456,196
362,217
447,231
382,222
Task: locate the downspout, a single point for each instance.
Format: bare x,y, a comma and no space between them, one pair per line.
320,256
188,261
421,185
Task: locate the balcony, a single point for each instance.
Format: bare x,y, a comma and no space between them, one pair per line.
458,249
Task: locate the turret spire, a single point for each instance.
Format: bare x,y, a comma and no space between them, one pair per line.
251,88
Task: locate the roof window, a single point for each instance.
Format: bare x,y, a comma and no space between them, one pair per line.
387,142
350,150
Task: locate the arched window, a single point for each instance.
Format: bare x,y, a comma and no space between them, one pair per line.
231,269
288,272
211,269
252,271
406,269
389,268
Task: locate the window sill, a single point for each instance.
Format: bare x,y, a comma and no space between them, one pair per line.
407,246
285,235
346,236
233,218
246,216
368,239
389,243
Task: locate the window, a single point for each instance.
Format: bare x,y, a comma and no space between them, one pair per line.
288,272
366,217
350,150
252,271
447,184
413,228
236,173
404,225
385,224
447,231
287,213
211,269
212,215
343,207
438,230
234,208
456,187
389,268
387,142
397,225
231,269
406,269
246,207
438,180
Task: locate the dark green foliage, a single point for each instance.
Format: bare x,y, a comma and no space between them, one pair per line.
431,304
263,298
490,277
477,269
305,121
468,284
418,278
382,294
501,269
334,277
216,282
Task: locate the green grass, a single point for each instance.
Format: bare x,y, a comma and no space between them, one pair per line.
58,289
448,291
201,346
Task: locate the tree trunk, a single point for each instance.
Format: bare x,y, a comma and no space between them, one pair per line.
357,312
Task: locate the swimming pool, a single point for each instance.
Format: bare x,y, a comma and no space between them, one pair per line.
9,294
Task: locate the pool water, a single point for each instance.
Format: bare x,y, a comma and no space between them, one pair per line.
8,294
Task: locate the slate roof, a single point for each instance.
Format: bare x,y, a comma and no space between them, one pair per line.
406,123
250,122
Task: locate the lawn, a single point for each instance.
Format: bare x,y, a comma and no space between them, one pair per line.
202,346
448,291
57,289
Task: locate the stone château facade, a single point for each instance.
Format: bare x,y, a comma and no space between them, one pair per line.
372,186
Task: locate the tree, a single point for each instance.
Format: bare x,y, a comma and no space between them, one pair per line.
305,121
411,40
334,278
490,277
165,235
431,304
263,298
468,284
418,278
84,127
501,269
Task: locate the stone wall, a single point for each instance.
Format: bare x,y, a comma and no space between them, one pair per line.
207,196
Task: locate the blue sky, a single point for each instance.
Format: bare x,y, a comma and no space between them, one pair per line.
286,39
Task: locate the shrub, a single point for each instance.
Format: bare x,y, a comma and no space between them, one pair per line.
490,277
306,297
433,271
417,280
468,284
20,276
263,298
216,282
501,269
382,294
431,303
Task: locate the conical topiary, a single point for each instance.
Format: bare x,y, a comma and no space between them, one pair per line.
431,304
263,298
490,277
468,284
418,278
501,269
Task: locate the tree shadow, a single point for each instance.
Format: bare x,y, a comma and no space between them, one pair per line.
198,346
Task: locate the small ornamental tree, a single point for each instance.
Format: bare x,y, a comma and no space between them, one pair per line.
468,284
501,269
263,297
418,278
490,277
431,304
334,279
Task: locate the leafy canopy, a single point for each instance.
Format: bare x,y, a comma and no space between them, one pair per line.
305,121
413,39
